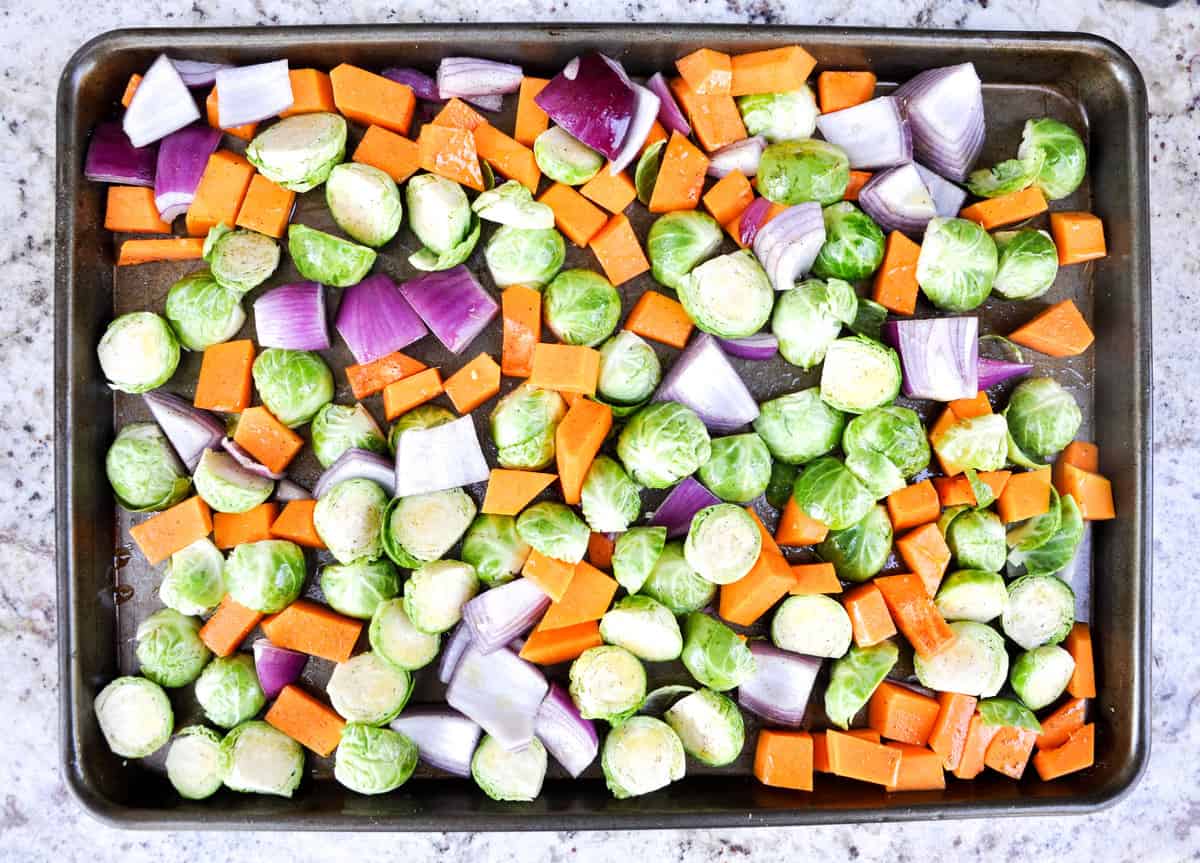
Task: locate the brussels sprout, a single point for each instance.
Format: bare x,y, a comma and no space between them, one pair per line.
435,594
365,203
859,374
629,369
828,492
429,261
808,318
641,755
1040,675
553,529
792,172
523,425
135,716
202,312
660,700
299,152
853,247
978,442
976,539
610,500
228,690
799,427
714,655
261,760
674,583
357,589
663,443
327,259
855,677
1042,417
564,159
293,385
349,520
709,726
975,663
421,417
739,468
195,579
723,543
504,774
787,116
1028,264
424,527
1011,175
644,627
814,625
1040,610
169,649
373,760
138,352
859,551
240,260
492,546
635,553
607,682
892,431
957,264
1064,158
972,594
869,319
729,296
876,472
581,307
196,762
1007,713
524,256
337,428
368,690
267,575
226,486
779,488
512,205
144,471
394,638
649,165
678,242
442,219
1037,531
1055,553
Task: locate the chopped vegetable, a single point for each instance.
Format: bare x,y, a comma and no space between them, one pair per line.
324,258
395,155
714,118
135,717
313,629
452,304
224,632
1059,331
308,721
552,646
870,620
851,683
369,99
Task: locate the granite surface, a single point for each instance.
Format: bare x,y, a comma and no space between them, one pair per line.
1160,820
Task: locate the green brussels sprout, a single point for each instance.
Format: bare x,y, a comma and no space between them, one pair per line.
975,663
424,527
512,205
729,296
581,307
1055,553
976,538
373,760
876,472
977,442
240,260
635,554
143,469
663,443
739,468
299,152
337,428
645,175
678,242
1063,156
853,679
1040,675
779,488
504,774
395,640
808,318
330,260
787,116
523,424
610,500
226,486
195,579
138,352
641,755
435,594
892,431
442,219
524,256
859,374
564,159
365,203
356,589
827,491
859,551
853,247
228,690
293,385
421,417
972,594
792,172
1037,531
349,520
1008,713
799,427
169,649
660,699
1011,175
1042,417
643,626
267,575
1040,610
714,655
674,583
957,264
607,682
722,543
814,625
196,762
262,760
492,546
135,716
709,726
553,529
367,690
869,319
1028,264
203,312
629,369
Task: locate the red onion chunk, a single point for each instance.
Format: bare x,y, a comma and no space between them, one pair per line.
497,616
788,245
759,347
948,198
898,200
669,114
742,156
644,112
945,109
752,220
189,429
570,738
357,464
593,101
293,316
422,85
680,507
287,491
248,94
471,76
491,102
445,739
196,73
162,104
375,319
703,380
438,458
182,158
874,134
248,461
781,686
453,650
111,158
992,372
499,691
276,667
938,356
452,304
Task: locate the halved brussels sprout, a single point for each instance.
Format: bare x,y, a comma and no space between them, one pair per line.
293,385
581,307
975,663
435,594
853,247
859,551
327,259
367,690
709,726
357,589
169,649
644,627
145,473
1040,675
827,491
1011,175
523,424
1007,713
714,655
972,594
226,486
722,543
738,469
135,716
779,489
440,216
203,312
729,296
138,352
792,172
976,538
892,431
492,546
524,256
337,428
267,575
1037,531
1040,610
957,265
565,159
799,427
869,319
808,318
876,472
513,205
674,583
554,530
394,638
1056,552
678,242
373,760
228,690
629,369
349,520
1028,264
195,579
641,755
261,760
855,677
814,625
196,762
299,152
424,527
787,116
240,260
1063,156
860,374
662,443
645,175
1042,417
977,442
635,553
610,500
504,774
607,682
420,417
365,203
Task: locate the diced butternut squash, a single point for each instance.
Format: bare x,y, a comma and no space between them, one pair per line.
896,280
1062,723
1079,237
510,491
957,491
577,217
224,383
729,197
1007,209
220,193
1025,495
171,530
715,120
869,617
839,90
310,722
395,155
600,550
313,629
577,439
552,646
619,251
130,88
371,99
859,759
746,600
659,318
680,177
775,70
1009,751
409,392
914,613
1078,643
450,153
232,529
1059,331
509,157
858,179
457,114
977,405
1078,753
784,759
565,368
821,751
521,313
296,524
925,553
267,207
1092,492
531,119
903,714
914,505
224,632
979,737
920,769
148,251
948,736
131,209
473,384
272,443
587,597
613,192
552,576
814,578
312,93
797,528
1080,454
370,378
707,72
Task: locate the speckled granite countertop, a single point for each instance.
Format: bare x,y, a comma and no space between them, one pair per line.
1160,820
